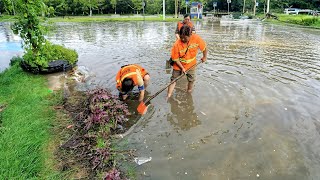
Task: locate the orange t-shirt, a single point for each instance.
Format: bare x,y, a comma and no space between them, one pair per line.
180,24
178,51
133,71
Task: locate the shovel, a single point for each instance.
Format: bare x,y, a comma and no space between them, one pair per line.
142,108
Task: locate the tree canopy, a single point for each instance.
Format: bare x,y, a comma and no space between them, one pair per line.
96,7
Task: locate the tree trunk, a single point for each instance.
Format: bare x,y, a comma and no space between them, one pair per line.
176,8
244,6
254,8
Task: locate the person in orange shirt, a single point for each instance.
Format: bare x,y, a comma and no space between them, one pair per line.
186,21
130,76
183,54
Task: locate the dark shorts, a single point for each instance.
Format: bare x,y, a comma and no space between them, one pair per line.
191,75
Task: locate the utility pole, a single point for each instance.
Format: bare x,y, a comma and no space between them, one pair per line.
164,9
244,6
143,4
254,7
90,8
228,1
187,2
268,6
176,8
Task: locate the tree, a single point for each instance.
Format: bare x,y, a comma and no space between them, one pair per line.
9,6
114,5
137,4
29,28
154,6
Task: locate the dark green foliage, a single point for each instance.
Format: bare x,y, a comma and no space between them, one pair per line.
308,21
38,51
304,21
51,52
15,60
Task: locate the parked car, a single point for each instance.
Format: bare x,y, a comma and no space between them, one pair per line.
291,10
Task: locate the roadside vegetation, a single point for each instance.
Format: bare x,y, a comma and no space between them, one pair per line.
50,135
26,115
111,18
300,20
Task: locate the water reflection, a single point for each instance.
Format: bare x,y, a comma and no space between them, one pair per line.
183,115
10,45
255,108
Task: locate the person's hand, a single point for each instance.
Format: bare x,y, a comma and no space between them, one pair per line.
124,97
183,70
204,59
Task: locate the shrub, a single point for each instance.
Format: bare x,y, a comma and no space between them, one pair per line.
308,21
50,52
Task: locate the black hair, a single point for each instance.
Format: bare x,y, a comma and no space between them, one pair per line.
127,85
185,30
186,15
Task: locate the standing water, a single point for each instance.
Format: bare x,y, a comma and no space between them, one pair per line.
254,112
10,45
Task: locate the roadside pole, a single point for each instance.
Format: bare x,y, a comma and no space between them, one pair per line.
143,4
164,9
214,7
187,2
228,1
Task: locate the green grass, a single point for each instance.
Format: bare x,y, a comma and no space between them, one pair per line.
25,124
4,18
301,20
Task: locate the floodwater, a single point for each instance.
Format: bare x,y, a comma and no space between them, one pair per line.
10,45
254,112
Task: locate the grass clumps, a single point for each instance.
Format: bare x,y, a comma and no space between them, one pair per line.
26,117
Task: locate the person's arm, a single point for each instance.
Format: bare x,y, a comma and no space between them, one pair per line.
193,29
177,36
140,85
141,95
177,32
204,56
181,67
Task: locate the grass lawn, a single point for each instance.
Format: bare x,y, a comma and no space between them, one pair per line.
26,118
303,20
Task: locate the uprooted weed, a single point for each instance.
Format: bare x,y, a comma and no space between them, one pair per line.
96,115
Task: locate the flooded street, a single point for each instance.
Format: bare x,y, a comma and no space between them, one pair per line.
254,112
10,45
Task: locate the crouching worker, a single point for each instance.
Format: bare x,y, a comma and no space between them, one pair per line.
130,76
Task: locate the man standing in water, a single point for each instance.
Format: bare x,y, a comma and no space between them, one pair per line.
183,53
130,76
186,21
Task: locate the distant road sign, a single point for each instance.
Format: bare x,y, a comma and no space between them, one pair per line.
187,1
228,1
214,4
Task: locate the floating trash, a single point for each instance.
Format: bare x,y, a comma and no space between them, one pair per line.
142,160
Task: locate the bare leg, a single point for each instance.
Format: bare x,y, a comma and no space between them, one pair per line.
170,90
190,87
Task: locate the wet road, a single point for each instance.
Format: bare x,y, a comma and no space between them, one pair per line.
254,112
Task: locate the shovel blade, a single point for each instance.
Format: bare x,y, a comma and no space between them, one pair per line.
142,108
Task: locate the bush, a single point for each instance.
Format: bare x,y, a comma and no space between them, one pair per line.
50,52
308,21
